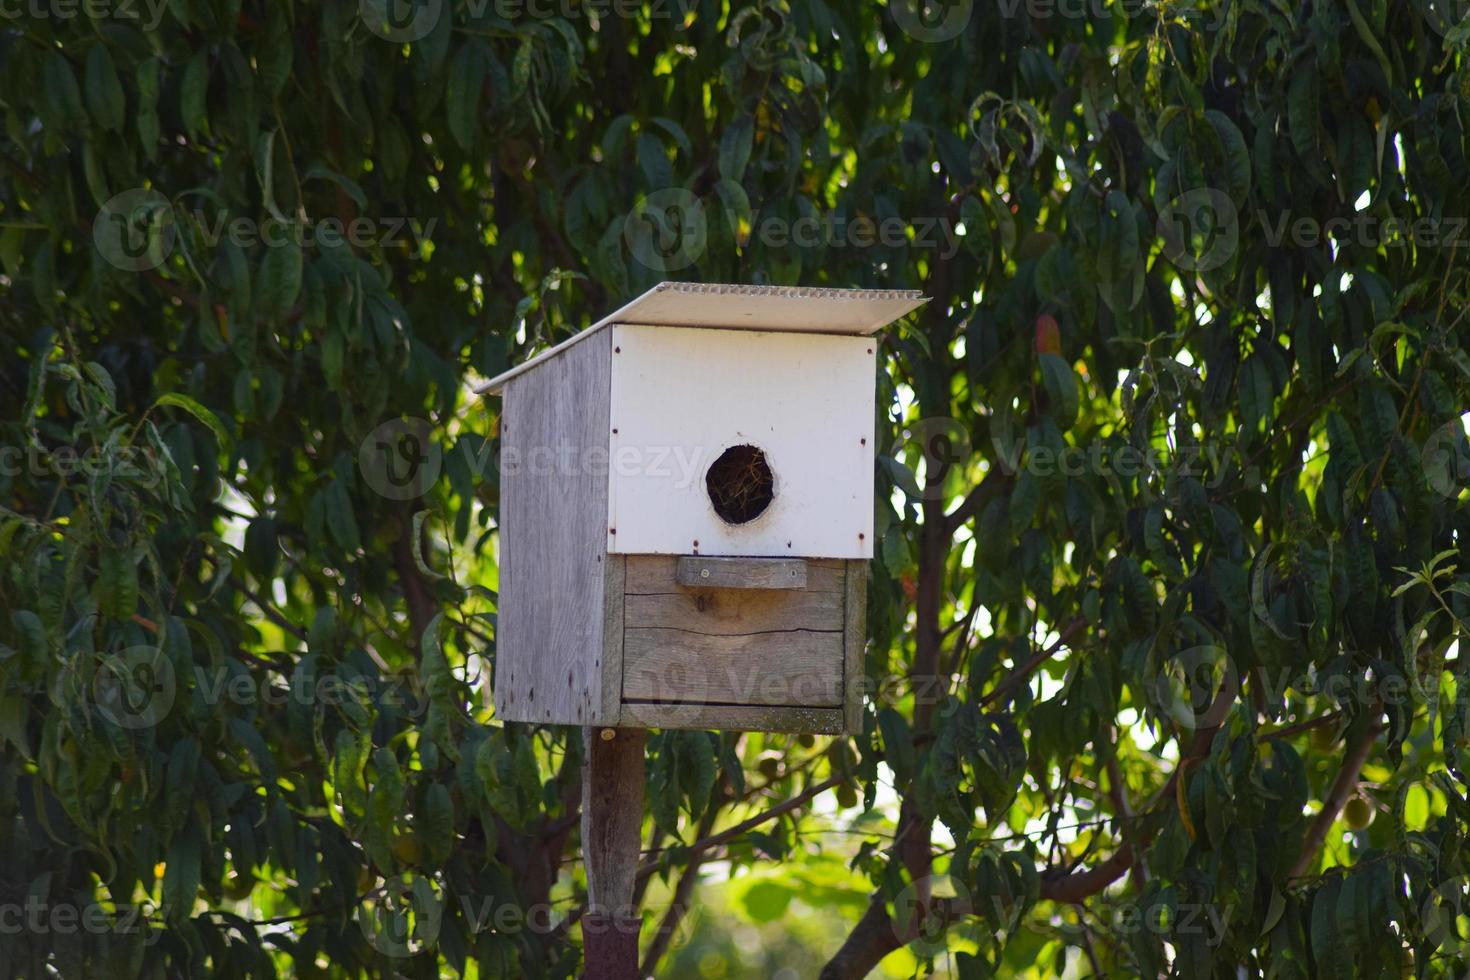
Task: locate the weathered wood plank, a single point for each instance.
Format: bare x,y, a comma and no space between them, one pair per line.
854,645
613,614
553,540
734,718
653,574
731,612
795,667
712,572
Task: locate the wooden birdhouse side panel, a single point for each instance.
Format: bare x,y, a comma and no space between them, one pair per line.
554,570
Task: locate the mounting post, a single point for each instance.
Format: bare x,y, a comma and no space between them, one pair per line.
612,820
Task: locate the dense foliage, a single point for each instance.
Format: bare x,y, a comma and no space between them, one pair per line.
1173,526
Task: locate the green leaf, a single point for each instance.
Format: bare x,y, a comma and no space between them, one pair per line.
1061,389
182,873
766,900
735,146
654,162
197,410
193,93
104,90
116,588
436,828
462,96
279,281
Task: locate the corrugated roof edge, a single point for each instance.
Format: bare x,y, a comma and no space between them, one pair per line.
628,312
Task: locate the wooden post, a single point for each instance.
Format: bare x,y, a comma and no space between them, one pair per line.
612,820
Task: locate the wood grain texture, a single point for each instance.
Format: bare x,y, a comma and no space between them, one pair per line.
854,646
613,613
553,561
731,612
795,667
653,574
612,815
734,718
740,573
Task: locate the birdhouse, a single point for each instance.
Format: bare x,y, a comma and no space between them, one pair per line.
686,512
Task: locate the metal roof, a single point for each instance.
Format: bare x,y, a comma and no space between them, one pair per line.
798,309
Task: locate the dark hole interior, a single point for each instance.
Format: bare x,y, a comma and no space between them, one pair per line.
740,484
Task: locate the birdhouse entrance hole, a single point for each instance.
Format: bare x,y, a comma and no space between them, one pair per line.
740,484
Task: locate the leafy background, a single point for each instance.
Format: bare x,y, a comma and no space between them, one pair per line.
241,686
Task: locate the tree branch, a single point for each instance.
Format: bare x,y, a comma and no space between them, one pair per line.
1023,673
1342,790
